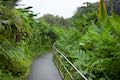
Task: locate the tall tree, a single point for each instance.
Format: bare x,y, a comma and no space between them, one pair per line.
9,3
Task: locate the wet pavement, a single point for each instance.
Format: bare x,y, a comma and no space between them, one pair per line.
44,68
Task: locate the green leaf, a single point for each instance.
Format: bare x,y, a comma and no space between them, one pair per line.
102,12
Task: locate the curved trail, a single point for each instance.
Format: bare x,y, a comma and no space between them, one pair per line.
44,69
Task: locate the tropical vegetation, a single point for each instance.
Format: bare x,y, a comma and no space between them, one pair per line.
90,39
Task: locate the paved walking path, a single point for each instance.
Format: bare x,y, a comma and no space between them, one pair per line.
44,69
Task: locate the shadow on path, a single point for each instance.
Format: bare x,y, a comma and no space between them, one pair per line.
44,69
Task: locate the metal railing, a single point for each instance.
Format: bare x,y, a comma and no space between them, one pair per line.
66,68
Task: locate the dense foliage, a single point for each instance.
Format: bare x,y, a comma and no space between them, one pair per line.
93,45
90,41
22,38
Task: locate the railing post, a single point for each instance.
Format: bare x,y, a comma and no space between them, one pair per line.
59,59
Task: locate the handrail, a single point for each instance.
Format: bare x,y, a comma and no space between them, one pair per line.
65,69
80,73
